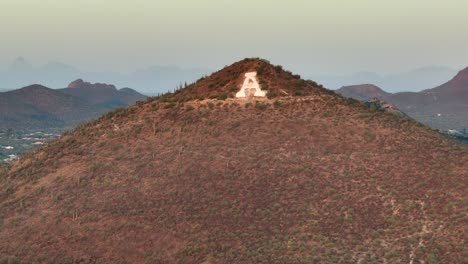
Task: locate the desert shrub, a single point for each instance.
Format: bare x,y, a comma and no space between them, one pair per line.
260,69
270,94
312,83
233,89
222,97
302,83
264,85
189,108
11,260
169,105
211,105
154,107
167,99
277,104
298,93
260,105
278,68
432,259
247,105
373,108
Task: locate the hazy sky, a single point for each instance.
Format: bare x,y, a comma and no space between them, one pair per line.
325,36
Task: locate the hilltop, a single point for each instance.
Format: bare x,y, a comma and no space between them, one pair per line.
364,92
226,82
301,176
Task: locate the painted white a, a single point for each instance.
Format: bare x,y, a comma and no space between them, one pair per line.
250,86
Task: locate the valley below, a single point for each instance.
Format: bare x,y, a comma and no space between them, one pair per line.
15,143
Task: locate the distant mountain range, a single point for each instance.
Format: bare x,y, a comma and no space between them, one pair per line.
159,79
444,107
413,81
150,81
37,107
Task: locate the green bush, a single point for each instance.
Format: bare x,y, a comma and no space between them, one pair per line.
432,259
261,106
222,97
169,105
298,93
270,94
277,104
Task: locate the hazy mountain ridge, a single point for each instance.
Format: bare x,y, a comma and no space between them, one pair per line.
160,79
150,81
444,107
414,81
308,177
36,106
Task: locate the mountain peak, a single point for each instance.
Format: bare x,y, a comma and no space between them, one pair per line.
76,84
102,94
20,64
363,92
80,84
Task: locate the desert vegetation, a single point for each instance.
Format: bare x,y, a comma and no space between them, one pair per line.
314,178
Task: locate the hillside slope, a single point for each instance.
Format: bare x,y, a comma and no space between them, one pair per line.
455,89
295,179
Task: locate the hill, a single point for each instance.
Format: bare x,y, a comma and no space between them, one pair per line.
444,107
454,90
101,94
364,92
308,177
37,106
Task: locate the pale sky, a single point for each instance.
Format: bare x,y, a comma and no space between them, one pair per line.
326,36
